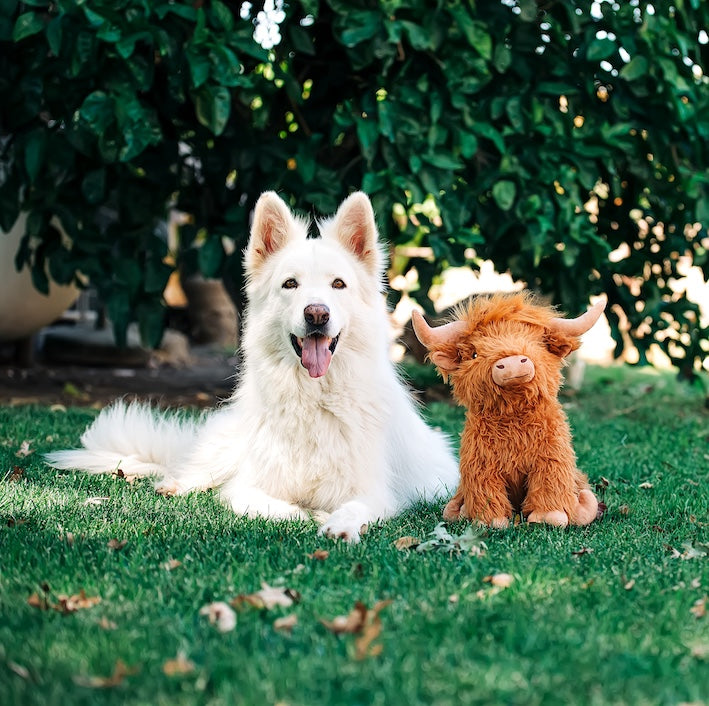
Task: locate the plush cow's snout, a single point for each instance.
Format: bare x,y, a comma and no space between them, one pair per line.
316,314
513,370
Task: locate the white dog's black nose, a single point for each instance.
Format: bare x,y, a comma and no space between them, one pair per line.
316,314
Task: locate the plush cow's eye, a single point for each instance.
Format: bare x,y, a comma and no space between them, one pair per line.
338,284
290,283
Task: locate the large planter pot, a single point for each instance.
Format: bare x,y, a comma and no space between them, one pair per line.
23,309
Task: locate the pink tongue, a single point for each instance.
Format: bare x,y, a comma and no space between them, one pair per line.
316,355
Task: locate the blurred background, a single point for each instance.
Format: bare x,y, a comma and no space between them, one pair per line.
560,146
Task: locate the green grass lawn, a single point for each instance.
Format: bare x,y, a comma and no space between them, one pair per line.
607,614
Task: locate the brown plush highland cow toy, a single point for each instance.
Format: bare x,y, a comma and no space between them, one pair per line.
503,355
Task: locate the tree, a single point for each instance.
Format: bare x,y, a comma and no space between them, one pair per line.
566,141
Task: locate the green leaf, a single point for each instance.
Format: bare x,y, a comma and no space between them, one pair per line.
223,17
502,58
118,307
35,149
475,32
157,274
93,186
301,40
600,49
213,106
27,24
636,68
199,67
442,161
53,33
360,26
210,256
504,193
151,323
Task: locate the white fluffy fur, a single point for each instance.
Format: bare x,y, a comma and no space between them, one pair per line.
348,447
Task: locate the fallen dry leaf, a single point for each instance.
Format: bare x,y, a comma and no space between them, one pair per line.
39,601
79,601
406,542
365,623
624,510
646,485
172,564
57,408
582,551
24,450
629,585
287,622
453,598
500,580
127,477
221,615
117,544
350,623
178,666
15,474
699,608
16,521
319,554
120,672
268,597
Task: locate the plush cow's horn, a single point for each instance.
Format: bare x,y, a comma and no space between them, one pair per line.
581,324
431,337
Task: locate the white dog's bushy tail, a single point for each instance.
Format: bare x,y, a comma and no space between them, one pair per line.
134,437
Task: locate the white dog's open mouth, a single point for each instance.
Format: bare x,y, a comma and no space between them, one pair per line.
315,352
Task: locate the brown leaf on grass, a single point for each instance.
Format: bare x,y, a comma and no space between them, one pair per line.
39,601
16,521
350,623
79,601
15,474
365,623
117,544
179,666
700,651
24,450
500,580
406,542
172,564
624,510
629,585
699,608
127,477
582,551
602,509
319,554
646,485
120,672
286,623
268,597
221,615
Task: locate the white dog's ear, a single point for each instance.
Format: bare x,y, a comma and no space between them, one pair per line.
354,226
272,227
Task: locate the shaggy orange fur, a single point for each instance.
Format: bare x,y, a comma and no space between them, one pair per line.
503,355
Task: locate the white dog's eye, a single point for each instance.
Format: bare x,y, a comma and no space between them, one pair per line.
290,283
338,284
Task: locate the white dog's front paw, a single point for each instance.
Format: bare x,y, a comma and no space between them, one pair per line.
347,523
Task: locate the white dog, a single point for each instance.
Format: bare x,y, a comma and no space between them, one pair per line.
319,424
